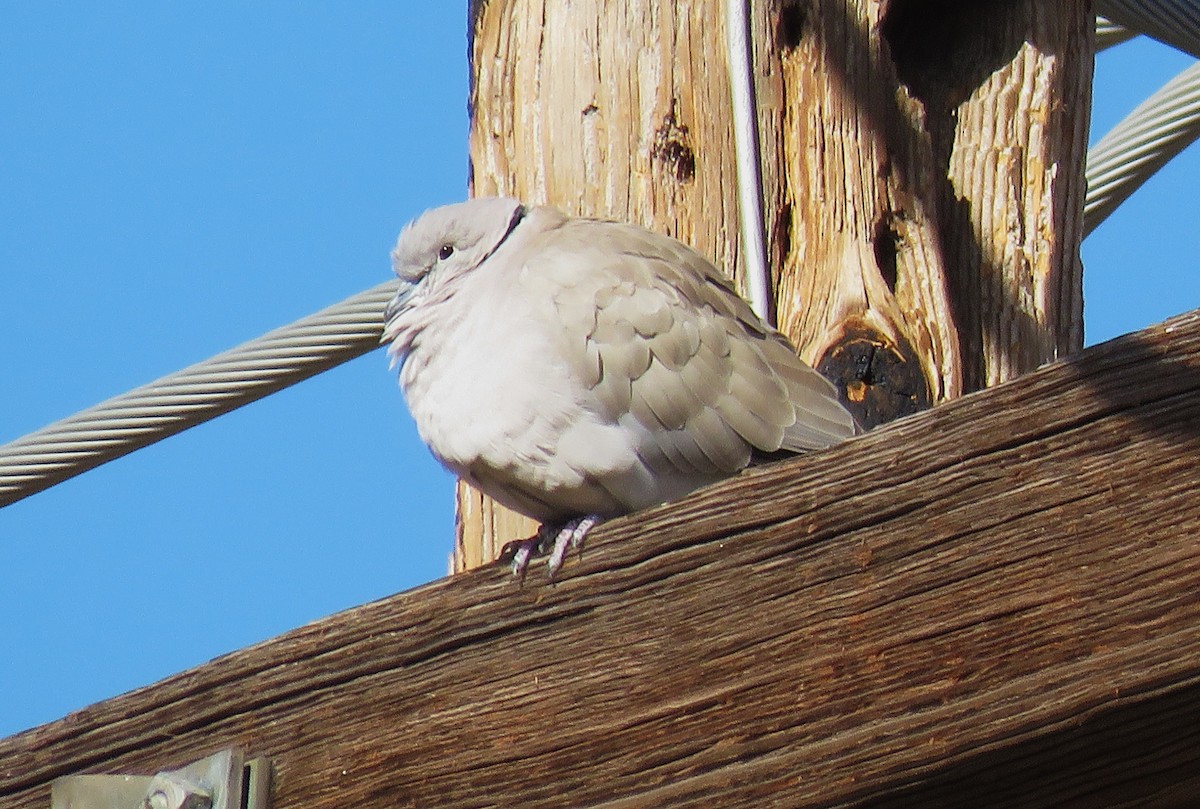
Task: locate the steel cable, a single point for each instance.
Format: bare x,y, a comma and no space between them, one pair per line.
1175,22
1142,143
193,395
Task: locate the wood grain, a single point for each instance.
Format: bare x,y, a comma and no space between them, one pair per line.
992,603
930,158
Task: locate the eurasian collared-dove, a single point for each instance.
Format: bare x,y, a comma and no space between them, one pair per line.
577,369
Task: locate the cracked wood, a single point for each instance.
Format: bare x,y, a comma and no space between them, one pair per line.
991,603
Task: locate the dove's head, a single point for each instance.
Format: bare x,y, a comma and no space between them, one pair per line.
437,249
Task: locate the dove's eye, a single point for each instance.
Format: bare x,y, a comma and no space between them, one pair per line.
445,251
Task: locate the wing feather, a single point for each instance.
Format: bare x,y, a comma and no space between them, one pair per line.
666,346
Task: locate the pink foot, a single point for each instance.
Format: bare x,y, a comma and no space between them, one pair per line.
566,538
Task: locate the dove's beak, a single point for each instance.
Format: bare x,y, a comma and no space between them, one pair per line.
393,324
394,307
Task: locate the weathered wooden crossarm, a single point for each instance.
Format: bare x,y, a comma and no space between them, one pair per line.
993,603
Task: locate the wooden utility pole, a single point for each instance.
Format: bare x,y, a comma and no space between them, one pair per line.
922,169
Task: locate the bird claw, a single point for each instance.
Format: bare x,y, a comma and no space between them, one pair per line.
521,550
556,540
569,537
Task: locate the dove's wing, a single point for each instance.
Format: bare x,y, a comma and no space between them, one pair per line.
667,348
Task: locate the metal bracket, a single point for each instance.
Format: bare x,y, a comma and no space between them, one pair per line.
225,780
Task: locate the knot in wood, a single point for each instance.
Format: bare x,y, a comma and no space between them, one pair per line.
672,149
878,380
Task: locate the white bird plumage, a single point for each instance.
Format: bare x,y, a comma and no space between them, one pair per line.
579,368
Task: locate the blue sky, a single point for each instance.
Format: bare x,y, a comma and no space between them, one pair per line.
178,178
